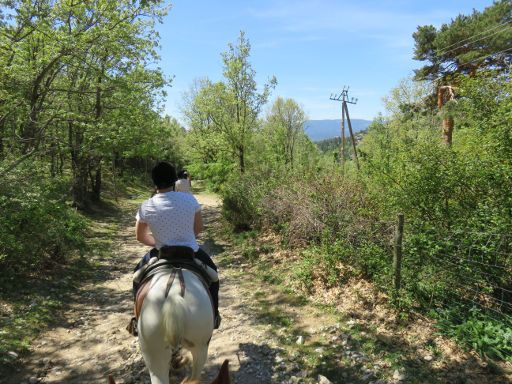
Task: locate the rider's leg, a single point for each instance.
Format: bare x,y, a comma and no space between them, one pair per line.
205,258
214,287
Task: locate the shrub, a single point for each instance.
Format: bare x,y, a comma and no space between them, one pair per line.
38,228
242,195
488,336
320,208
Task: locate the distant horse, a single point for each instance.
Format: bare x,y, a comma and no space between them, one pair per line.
177,312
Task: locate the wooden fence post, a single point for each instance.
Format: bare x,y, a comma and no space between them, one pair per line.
397,252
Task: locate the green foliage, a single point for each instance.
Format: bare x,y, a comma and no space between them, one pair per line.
467,44
223,116
77,90
284,132
242,195
329,145
486,335
303,270
456,202
39,228
214,174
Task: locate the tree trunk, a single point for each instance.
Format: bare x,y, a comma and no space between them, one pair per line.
78,167
96,181
96,163
29,130
448,124
445,94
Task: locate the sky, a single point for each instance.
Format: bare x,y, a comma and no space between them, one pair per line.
314,48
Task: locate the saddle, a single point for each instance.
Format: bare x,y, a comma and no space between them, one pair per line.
172,259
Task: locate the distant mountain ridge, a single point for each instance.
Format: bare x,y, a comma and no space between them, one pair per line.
327,129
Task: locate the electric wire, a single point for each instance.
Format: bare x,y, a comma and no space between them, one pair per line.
474,60
468,40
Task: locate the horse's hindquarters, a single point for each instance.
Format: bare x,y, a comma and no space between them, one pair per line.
175,320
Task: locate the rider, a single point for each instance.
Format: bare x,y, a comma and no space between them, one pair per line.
172,218
183,184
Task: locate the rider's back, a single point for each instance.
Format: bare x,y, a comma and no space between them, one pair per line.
170,217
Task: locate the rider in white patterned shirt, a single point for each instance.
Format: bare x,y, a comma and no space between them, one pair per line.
172,218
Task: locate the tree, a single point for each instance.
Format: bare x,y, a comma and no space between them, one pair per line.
244,101
223,116
284,129
75,84
482,40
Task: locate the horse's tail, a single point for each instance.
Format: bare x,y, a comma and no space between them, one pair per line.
174,312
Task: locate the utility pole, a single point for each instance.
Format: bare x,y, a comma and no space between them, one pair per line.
343,97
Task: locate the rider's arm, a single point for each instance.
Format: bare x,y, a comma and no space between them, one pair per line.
198,223
142,234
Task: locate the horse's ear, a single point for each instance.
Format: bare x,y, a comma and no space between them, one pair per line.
111,380
223,376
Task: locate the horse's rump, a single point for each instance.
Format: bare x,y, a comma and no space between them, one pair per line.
186,309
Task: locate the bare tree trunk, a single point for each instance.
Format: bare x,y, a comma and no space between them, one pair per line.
448,124
445,94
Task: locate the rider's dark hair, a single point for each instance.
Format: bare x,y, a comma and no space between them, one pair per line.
163,175
183,174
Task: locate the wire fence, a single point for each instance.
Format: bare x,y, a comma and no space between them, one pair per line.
466,268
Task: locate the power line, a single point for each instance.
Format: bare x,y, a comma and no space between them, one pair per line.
477,59
443,51
473,42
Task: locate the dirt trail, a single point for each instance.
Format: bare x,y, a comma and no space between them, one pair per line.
92,341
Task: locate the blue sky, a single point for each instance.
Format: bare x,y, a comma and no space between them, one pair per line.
314,48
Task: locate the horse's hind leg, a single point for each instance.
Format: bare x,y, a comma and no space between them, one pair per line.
156,357
199,355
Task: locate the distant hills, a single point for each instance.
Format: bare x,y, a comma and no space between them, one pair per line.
327,129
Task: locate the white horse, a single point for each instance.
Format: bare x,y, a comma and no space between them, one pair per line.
167,323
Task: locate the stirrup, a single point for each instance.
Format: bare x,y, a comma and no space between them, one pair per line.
132,327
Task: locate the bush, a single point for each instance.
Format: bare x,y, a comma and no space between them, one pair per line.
38,228
488,336
323,208
242,196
